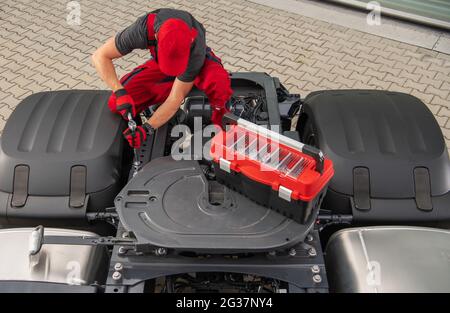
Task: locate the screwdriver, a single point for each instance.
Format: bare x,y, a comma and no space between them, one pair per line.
132,127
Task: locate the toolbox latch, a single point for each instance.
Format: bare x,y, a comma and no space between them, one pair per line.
225,165
285,193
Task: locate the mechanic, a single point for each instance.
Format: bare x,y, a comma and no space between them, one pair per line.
180,59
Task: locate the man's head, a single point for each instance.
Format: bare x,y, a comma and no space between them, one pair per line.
175,38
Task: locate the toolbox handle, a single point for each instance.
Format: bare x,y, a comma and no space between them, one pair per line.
231,119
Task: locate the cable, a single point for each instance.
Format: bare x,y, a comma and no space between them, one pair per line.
251,105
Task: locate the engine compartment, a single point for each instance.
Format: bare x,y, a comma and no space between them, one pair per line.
175,226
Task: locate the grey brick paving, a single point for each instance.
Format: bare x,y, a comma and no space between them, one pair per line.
40,51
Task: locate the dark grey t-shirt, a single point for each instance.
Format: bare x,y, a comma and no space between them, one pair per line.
135,37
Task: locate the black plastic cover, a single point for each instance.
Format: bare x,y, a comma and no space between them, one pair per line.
171,204
72,146
389,133
389,154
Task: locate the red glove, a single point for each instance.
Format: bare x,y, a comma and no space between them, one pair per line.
217,115
124,103
140,135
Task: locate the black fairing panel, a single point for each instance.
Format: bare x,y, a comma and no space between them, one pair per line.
387,134
390,133
52,132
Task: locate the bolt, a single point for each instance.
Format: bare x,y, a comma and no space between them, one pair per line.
272,253
116,275
315,269
292,252
161,251
309,238
118,267
317,279
312,252
125,235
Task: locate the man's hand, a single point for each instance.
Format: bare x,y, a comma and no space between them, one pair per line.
140,135
168,109
125,104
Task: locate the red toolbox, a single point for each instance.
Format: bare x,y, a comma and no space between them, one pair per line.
274,170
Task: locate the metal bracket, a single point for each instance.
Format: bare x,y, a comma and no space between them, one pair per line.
422,187
20,186
88,241
294,266
361,188
77,194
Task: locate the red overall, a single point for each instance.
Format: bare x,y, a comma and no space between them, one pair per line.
147,85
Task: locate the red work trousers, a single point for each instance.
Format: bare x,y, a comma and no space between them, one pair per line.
147,85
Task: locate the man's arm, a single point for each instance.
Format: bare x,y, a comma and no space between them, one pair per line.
132,37
168,109
102,59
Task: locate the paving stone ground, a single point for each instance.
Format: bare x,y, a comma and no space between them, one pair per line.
40,51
